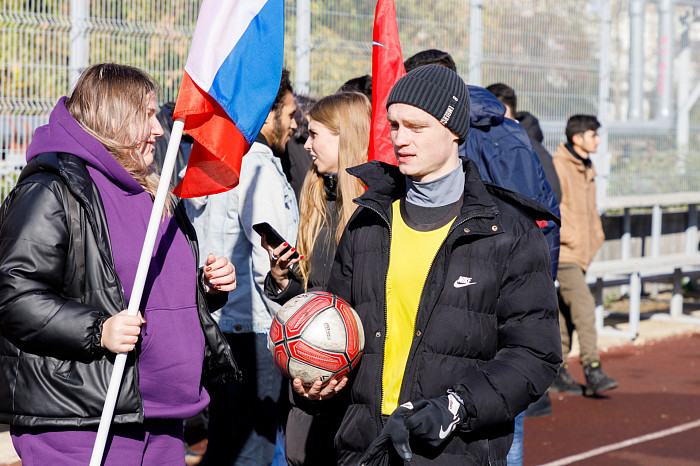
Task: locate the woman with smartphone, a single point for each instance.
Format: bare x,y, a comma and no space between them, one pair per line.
339,128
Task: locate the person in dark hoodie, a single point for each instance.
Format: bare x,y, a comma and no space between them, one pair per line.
71,234
531,125
296,160
502,150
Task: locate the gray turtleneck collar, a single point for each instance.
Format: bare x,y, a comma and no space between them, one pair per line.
437,193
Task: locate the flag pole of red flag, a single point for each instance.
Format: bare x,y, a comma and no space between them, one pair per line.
387,68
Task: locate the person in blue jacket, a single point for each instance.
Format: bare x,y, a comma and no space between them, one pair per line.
501,149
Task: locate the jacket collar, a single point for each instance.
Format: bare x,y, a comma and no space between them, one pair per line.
567,151
385,184
261,139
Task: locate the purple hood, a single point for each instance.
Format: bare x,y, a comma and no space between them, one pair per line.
64,134
169,383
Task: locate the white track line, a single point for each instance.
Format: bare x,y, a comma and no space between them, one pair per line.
624,444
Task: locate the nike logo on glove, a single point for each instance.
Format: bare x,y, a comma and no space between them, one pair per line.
444,433
453,403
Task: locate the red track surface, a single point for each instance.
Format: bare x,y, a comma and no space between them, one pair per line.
659,389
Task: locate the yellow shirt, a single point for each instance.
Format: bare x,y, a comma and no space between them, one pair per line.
411,255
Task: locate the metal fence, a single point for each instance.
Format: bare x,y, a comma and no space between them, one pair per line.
634,63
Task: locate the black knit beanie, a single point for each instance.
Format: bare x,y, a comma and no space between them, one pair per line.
438,91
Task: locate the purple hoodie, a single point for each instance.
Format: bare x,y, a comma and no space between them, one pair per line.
172,348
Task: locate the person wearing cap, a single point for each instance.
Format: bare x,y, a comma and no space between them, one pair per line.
451,279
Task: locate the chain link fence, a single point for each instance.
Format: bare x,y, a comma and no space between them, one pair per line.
634,63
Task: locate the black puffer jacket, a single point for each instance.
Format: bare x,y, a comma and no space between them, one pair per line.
52,306
495,342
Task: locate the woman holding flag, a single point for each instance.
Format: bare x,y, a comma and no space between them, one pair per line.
70,237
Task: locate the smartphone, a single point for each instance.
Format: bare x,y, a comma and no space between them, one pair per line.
273,238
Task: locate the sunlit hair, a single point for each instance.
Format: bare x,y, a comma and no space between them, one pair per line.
348,115
110,102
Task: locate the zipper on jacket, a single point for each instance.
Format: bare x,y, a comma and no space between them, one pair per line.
386,324
588,216
421,303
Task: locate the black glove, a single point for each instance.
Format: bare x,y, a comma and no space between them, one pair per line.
395,431
429,420
435,419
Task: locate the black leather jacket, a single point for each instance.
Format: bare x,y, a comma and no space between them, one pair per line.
53,371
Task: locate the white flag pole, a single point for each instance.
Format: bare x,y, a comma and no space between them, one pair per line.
137,291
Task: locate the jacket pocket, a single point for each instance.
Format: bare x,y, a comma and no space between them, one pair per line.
63,369
357,430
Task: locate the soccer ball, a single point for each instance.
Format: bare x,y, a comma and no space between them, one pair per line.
316,335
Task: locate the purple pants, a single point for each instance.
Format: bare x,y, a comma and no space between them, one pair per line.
156,442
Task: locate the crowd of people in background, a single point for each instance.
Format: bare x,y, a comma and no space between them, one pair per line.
465,261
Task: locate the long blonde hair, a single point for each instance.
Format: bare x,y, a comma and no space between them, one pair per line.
348,115
110,103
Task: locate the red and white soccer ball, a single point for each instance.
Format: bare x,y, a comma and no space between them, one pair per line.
316,335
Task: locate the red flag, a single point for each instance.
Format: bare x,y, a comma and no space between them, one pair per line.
387,68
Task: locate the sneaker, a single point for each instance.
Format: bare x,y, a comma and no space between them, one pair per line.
564,383
541,407
597,381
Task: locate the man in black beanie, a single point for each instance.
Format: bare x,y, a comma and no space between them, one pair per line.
451,279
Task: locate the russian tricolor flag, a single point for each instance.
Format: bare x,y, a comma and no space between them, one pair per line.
232,75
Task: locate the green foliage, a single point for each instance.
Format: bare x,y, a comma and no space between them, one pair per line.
547,50
649,164
610,298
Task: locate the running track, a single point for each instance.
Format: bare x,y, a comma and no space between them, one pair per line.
652,418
